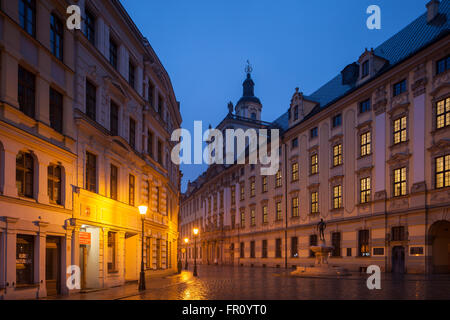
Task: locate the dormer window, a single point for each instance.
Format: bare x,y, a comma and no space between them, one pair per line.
314,133
365,69
295,113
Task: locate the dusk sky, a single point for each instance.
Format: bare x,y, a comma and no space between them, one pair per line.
204,46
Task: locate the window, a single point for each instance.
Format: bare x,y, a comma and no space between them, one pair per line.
221,199
294,202
278,248
337,121
54,184
336,243
365,190
398,233
113,53
252,187
24,259
131,189
160,157
56,110
363,243
264,249
157,199
150,143
91,100
312,242
400,130
56,36
215,202
233,221
90,27
160,106
365,69
294,247
233,195
295,171
314,202
294,143
252,249
278,213
114,119
242,219
278,179
242,191
253,116
443,172
365,106
91,172
151,93
242,250
264,184
349,252
112,252
25,174
132,133
337,197
27,92
366,144
265,217
252,217
443,113
314,164
443,65
27,16
114,179
337,155
399,87
295,113
131,74
314,133
400,182
148,252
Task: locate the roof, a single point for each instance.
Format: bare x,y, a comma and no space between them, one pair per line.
414,37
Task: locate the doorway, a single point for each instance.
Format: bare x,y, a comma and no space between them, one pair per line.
440,238
398,260
53,266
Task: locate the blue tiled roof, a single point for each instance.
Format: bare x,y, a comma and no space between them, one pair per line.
402,45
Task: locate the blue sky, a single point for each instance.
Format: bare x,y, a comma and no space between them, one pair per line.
204,45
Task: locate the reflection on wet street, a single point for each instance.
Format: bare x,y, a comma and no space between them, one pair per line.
237,283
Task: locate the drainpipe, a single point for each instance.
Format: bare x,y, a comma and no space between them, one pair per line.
427,260
286,207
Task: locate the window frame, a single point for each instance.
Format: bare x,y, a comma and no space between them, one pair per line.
399,87
24,19
113,182
314,202
365,141
91,100
444,172
26,94
365,191
400,186
445,114
57,36
295,172
91,172
132,133
295,207
400,133
27,169
89,21
337,197
337,155
131,190
56,110
54,184
314,164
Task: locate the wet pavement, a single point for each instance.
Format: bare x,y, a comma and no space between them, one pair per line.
239,283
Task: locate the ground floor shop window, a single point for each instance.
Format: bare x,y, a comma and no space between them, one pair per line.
24,259
112,267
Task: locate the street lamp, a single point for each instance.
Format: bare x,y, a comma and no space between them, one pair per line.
195,251
186,240
143,211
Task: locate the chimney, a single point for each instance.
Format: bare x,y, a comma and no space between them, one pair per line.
432,10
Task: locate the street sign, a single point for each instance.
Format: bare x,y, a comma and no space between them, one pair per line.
85,238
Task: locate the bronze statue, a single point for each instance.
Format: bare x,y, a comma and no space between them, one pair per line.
321,227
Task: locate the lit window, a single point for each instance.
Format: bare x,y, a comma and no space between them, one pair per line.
443,113
278,179
443,172
54,184
314,164
25,259
131,190
337,197
365,190
264,184
242,219
112,266
242,190
295,207
252,187
314,202
366,144
252,217
400,130
337,155
233,195
295,171
25,174
363,243
400,182
265,214
279,215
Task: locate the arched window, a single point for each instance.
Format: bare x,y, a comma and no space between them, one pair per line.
25,174
54,184
253,116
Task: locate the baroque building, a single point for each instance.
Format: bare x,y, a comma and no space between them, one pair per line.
368,153
85,123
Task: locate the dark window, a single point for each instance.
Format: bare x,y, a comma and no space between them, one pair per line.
314,132
56,36
112,252
365,69
363,243
312,242
90,27
27,16
91,172
114,178
151,93
278,248
113,53
349,252
27,92
91,100
114,119
25,174
54,184
443,65
242,250
337,121
160,106
295,113
131,189
150,143
264,249
398,233
157,200
378,251
443,172
294,143
24,259
443,113
253,116
336,243
252,249
399,87
365,106
56,110
132,133
160,157
294,247
131,74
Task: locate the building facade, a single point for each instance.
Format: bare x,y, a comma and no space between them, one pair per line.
368,153
85,124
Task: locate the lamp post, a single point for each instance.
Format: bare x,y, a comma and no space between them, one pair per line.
186,240
143,211
195,251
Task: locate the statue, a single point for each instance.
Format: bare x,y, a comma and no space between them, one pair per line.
230,108
321,227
